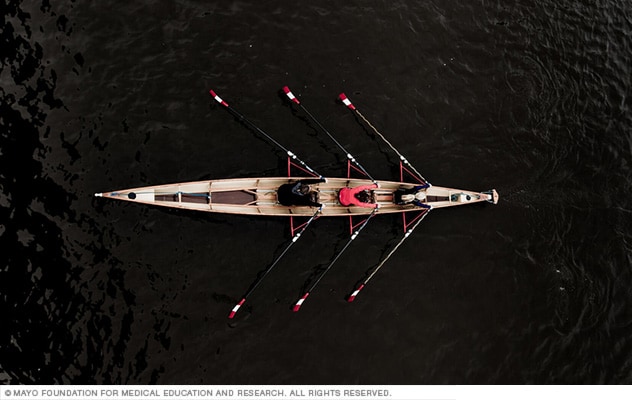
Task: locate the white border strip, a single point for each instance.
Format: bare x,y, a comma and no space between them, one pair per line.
310,392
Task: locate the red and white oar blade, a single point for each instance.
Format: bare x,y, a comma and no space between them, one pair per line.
217,98
355,293
236,308
290,95
300,302
345,100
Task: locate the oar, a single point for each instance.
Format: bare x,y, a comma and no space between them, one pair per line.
267,271
300,302
406,235
293,98
240,117
345,100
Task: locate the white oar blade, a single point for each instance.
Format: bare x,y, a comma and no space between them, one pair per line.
345,100
236,308
300,302
355,293
217,98
290,95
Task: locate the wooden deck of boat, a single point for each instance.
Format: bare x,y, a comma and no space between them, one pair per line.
258,196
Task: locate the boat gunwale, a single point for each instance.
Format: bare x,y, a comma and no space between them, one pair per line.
271,184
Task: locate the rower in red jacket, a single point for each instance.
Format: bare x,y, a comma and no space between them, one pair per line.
358,196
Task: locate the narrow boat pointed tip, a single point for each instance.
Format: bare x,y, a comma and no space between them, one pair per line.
98,195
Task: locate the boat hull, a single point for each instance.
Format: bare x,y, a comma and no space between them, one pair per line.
258,196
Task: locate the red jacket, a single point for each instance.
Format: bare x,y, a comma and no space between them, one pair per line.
347,196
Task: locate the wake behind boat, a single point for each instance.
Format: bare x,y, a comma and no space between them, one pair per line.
311,197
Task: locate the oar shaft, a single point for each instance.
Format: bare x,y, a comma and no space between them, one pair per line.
351,239
385,259
274,263
246,121
294,240
320,277
351,158
324,130
345,100
401,157
406,235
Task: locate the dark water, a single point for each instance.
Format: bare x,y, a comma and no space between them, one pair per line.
529,97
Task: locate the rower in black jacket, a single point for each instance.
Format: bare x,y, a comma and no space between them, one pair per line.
299,193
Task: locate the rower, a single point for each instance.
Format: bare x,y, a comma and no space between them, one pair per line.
360,196
415,195
299,193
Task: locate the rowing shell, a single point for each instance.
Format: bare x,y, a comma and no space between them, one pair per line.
258,196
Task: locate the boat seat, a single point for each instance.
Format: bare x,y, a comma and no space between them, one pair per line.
233,197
